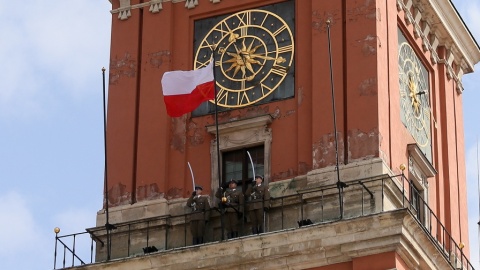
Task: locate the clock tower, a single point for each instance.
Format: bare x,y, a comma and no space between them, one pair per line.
363,157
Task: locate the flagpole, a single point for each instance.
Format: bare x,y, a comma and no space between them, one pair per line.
478,186
108,226
340,184
218,137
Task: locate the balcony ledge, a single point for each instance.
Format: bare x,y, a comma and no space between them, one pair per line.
311,246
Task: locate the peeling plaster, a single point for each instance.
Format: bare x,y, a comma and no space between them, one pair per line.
148,192
157,59
319,19
276,114
365,145
368,10
179,138
303,168
369,45
289,113
174,193
323,151
195,134
117,195
123,67
368,87
301,96
283,175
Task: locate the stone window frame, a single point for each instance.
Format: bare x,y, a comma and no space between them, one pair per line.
419,170
239,134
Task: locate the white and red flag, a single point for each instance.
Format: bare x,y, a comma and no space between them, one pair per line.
184,91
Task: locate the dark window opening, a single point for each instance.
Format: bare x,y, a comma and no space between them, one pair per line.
237,165
416,201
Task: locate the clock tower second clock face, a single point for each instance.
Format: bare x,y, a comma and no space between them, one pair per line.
414,96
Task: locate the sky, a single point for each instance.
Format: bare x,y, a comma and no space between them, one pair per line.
51,124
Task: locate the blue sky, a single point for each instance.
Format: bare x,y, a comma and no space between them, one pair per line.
51,124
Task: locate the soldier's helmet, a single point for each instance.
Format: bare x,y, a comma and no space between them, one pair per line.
259,176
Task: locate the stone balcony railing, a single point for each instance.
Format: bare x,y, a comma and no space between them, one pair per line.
377,217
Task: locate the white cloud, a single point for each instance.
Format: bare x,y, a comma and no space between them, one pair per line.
51,50
18,228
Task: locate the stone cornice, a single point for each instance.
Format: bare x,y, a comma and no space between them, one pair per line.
306,247
437,23
155,6
457,31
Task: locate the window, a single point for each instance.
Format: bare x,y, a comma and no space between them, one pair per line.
414,197
235,139
419,169
237,165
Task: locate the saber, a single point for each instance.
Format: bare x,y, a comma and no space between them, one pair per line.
253,167
193,177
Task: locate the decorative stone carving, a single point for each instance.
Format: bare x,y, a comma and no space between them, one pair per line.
155,6
399,5
417,17
433,48
441,32
191,4
448,63
124,10
425,32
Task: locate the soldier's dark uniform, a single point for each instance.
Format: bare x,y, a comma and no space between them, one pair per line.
200,215
233,207
258,196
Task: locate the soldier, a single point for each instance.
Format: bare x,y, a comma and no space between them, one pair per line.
232,200
200,214
259,201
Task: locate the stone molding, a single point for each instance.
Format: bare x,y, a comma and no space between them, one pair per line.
155,6
306,247
238,134
437,23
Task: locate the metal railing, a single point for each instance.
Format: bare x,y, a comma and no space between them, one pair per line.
309,206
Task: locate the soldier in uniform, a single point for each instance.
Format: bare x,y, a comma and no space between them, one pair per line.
259,201
232,201
200,214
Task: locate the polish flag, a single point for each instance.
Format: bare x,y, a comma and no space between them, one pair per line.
184,91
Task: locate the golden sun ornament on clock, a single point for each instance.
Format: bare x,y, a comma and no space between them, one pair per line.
414,95
253,52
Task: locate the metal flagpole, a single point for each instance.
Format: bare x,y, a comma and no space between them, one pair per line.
218,139
340,184
108,226
478,185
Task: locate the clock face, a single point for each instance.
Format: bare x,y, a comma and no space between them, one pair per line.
414,96
253,53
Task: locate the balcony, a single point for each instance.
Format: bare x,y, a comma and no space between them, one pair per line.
314,227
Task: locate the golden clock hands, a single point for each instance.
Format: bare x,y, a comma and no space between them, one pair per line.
239,60
245,57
